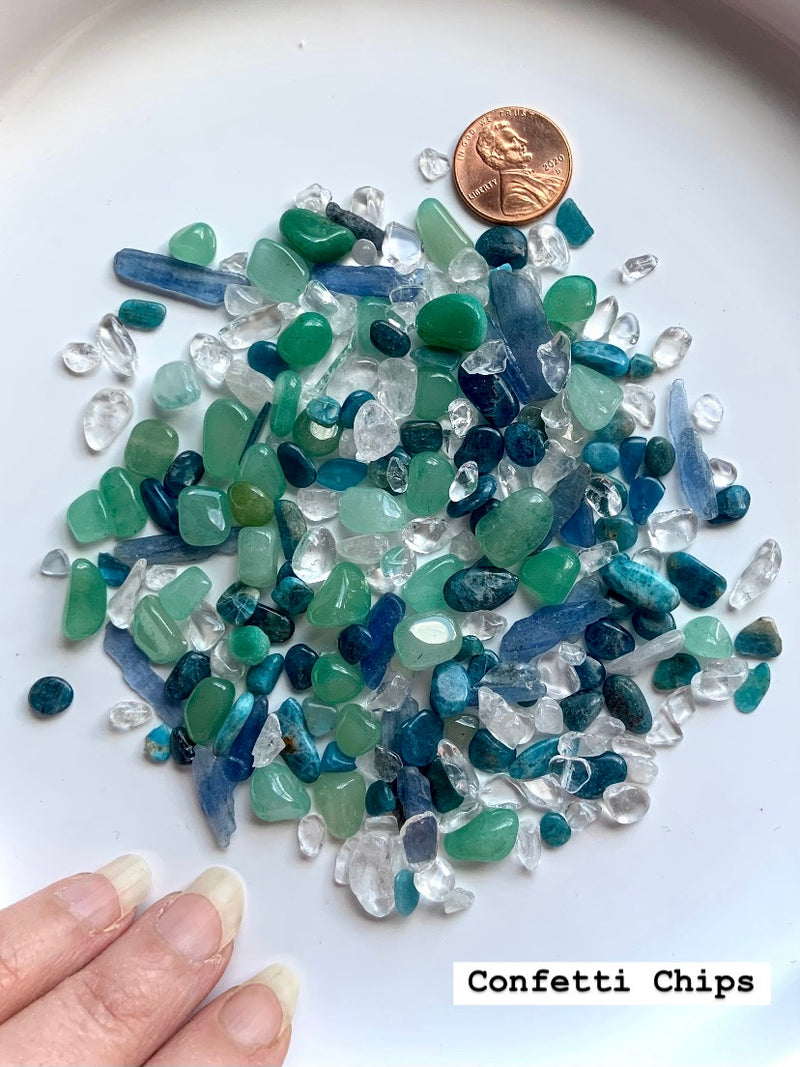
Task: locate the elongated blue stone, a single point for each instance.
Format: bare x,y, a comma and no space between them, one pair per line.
760,639
159,505
300,754
363,281
215,792
538,632
263,678
534,761
190,669
580,709
450,687
522,321
361,227
631,456
753,689
480,588
482,445
334,760
490,395
384,616
606,769
234,722
140,676
341,474
470,505
413,791
518,683
488,754
641,585
167,548
698,584
644,496
163,274
649,626
606,639
626,702
566,498
291,525
580,529
417,738
733,503
694,469
239,761
600,356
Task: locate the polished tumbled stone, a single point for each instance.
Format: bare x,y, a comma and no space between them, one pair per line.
277,795
606,769
675,672
298,664
488,754
450,685
554,829
300,753
602,357
581,709
141,314
50,696
699,585
706,637
534,761
480,588
85,604
316,238
733,503
759,640
641,585
340,801
454,321
753,690
503,244
606,639
487,838
626,702
659,456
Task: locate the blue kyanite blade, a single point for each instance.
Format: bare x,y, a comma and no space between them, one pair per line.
520,315
163,274
693,466
140,676
363,281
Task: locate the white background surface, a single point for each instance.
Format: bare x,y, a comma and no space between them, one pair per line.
685,140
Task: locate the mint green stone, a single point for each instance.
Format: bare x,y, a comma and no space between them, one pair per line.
570,299
516,528
226,427
487,838
175,386
453,321
276,269
85,604
423,590
306,340
334,680
249,644
366,510
276,795
315,237
441,235
706,637
344,598
551,574
152,446
314,438
258,556
204,516
285,398
207,708
155,633
120,494
430,475
340,801
357,731
88,518
183,594
436,389
196,243
593,397
422,641
370,309
261,467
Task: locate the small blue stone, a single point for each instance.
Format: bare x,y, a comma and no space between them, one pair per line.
298,663
644,496
547,626
470,646
238,764
156,744
554,829
421,436
697,583
113,570
285,571
606,639
619,529
300,753
181,747
566,498
296,466
420,839
580,529
606,769
323,410
482,445
50,696
363,229
659,456
413,792
759,640
355,642
159,505
503,244
753,689
675,672
291,525
380,800
602,456
277,625
641,367
581,709
292,595
351,405
488,754
626,702
572,223
262,356
443,793
632,452
163,274
186,469
389,339
490,395
334,760
341,474
591,674
237,604
524,444
520,316
406,894
648,625
190,669
450,687
479,588
418,737
234,722
141,314
481,664
484,492
602,357
534,761
263,678
733,503
384,616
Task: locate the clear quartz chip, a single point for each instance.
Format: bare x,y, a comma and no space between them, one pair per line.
555,357
80,358
365,550
581,813
719,679
638,267
547,247
269,743
649,557
490,358
465,546
397,386
225,664
244,299
465,482
247,385
159,575
128,714
402,248
263,324
639,402
369,203
626,803
671,346
707,412
105,417
672,531
758,575
370,872
315,555
462,415
123,603
484,624
205,628
375,431
572,772
603,496
723,473
557,676
547,716
364,252
424,536
625,332
236,263
528,846
436,882
459,899
312,834
602,319
595,558
467,265
116,346
318,504
314,198
55,564
211,358
433,165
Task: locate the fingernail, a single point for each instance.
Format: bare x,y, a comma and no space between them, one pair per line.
206,916
101,899
260,1011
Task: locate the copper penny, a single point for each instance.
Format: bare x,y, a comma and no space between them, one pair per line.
511,165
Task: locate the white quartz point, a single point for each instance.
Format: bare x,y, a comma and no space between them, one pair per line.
314,198
55,564
638,267
269,742
369,203
547,247
105,417
311,834
315,555
433,165
80,358
375,431
122,604
661,647
602,319
116,346
211,357
758,575
128,714
671,346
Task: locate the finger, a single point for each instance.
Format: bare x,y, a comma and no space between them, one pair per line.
125,1004
57,931
248,1026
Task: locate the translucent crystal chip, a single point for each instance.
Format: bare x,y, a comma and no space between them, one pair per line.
490,358
205,628
626,331
572,773
555,357
498,792
462,415
643,656
436,282
122,604
547,247
370,873
312,833
602,732
672,531
510,477
707,412
314,198
639,402
664,733
159,575
484,625
435,882
547,716
105,417
433,165
465,545
80,358
128,714
719,679
641,770
679,705
365,550
638,267
758,575
211,358
459,899
595,558
247,385
318,504
528,846
424,536
236,263
375,431
116,346
315,555
397,386
671,346
347,445
364,252
263,324
358,372
244,299
55,564
581,813
341,869
626,803
543,794
419,838
531,272
572,653
630,745
723,473
602,319
557,464
504,721
397,565
559,677
556,413
369,203
603,496
269,743
225,665
402,248
465,482
649,557
467,265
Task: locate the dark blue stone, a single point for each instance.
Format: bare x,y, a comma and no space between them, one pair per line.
418,737
573,223
237,604
698,584
619,529
159,505
659,456
163,274
384,616
648,626
296,466
420,839
602,456
503,244
298,664
50,696
566,497
181,747
544,628
293,596
518,683
480,588
477,513
444,795
480,665
277,625
579,529
641,367
606,639
733,503
263,678
483,493
406,894
421,436
167,548
185,470
618,607
362,281
675,672
413,792
190,669
215,793
262,356
324,410
114,571
644,496
450,686
534,761
139,675
380,800
470,646
759,640
482,445
606,769
581,709
363,229
490,395
488,754
291,525
355,642
300,754
625,701
602,357
285,571
622,425
389,339
341,474
523,325
239,761
351,405
524,444
631,456
334,760
554,829
591,674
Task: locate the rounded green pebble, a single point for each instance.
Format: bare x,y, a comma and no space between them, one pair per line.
207,708
368,510
305,340
453,321
551,574
258,556
315,237
120,493
249,644
340,801
250,506
276,795
314,438
707,638
594,398
357,731
195,243
487,838
343,599
261,467
226,428
430,476
152,446
156,633
423,590
570,299
88,518
278,270
85,604
515,528
183,594
175,386
204,516
334,680
436,390
422,641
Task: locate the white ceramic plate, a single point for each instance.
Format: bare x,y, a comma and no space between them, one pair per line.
121,123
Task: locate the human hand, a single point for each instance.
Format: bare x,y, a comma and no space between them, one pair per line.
83,981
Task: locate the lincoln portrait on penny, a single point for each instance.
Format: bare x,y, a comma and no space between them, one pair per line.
522,189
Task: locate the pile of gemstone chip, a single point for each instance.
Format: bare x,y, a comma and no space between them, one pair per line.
406,431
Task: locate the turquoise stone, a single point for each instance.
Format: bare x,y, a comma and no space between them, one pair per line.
759,640
641,585
675,672
422,641
261,467
156,633
534,761
697,583
554,829
279,271
573,223
424,589
515,528
122,500
707,638
430,475
487,838
606,769
175,386
258,556
441,235
314,236
277,795
593,397
141,314
195,243
226,429
406,894
368,510
88,518
604,358
453,321
204,516
570,299
753,690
